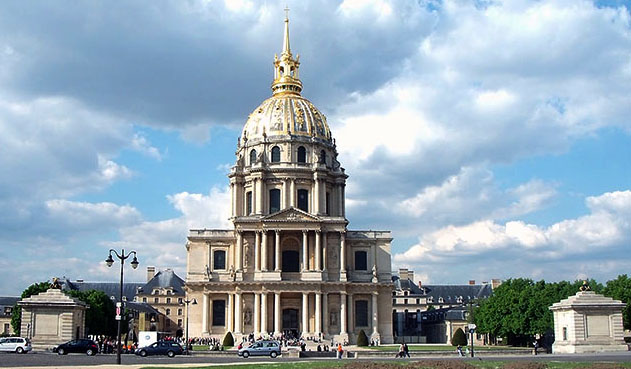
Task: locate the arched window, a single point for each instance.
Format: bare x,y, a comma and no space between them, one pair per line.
252,157
302,154
303,200
275,154
219,260
168,312
322,157
274,200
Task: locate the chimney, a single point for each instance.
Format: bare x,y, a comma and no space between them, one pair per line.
151,271
411,275
471,282
403,273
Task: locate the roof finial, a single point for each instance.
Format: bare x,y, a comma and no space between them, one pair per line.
286,48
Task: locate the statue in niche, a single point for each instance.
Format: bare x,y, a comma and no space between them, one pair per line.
333,317
246,254
247,316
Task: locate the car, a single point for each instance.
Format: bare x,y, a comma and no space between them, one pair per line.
261,348
15,344
86,346
168,348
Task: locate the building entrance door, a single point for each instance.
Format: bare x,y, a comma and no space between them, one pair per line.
290,321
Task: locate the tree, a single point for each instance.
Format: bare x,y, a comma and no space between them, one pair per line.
16,314
362,339
620,289
459,338
228,340
518,308
100,316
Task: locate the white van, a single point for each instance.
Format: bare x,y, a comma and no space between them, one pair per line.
15,344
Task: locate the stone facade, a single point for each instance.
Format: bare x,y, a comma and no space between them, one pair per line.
6,308
289,264
588,322
50,318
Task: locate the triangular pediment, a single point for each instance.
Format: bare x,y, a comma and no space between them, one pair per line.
291,215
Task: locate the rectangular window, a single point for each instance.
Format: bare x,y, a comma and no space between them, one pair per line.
156,300
179,323
361,260
168,300
418,301
179,311
248,203
361,313
179,300
219,312
219,260
6,328
564,333
303,200
274,200
327,204
144,299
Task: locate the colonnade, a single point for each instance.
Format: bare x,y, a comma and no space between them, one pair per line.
236,320
259,187
261,260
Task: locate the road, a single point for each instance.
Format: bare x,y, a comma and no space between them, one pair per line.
46,359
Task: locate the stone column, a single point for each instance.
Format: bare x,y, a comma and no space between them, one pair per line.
292,195
340,201
283,198
254,196
324,250
277,314
264,251
343,187
264,313
277,251
239,251
305,313
305,260
343,313
375,315
325,313
205,313
237,313
230,320
318,314
257,252
343,256
259,196
210,314
318,250
233,199
257,314
351,323
316,196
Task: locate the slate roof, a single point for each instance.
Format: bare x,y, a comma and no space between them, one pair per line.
8,301
440,315
164,279
112,289
449,293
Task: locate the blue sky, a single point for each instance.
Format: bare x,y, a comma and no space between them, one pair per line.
492,138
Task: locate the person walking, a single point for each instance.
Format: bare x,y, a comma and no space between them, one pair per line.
401,350
340,351
406,349
459,349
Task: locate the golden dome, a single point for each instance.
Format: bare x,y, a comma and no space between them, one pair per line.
286,114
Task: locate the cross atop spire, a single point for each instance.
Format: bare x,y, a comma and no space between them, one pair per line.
286,79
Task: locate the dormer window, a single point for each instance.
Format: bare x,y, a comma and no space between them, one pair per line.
275,154
252,157
302,155
441,300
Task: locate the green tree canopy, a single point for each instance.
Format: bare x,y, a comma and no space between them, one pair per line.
518,308
620,289
100,316
16,314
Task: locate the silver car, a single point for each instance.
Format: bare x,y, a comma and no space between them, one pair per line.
15,344
261,348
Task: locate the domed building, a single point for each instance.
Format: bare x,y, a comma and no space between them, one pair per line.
289,266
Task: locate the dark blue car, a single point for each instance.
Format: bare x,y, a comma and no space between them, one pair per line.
168,348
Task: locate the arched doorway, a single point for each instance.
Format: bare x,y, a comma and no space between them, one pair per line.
291,261
290,321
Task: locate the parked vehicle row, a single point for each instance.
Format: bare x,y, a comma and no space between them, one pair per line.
83,346
261,348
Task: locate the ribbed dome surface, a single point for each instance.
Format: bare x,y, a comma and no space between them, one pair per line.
286,114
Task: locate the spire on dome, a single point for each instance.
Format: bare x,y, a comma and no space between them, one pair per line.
286,78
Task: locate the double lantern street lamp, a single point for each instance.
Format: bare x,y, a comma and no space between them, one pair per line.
119,305
193,302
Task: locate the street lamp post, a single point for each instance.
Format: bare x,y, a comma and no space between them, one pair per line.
119,306
187,301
